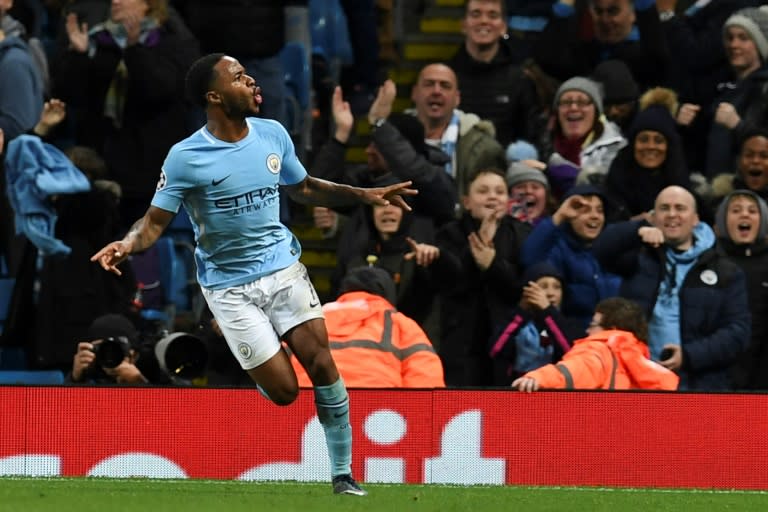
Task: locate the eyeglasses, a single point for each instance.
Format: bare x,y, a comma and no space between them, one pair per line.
580,103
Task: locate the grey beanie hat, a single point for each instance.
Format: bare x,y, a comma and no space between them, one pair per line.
589,87
519,172
755,21
722,210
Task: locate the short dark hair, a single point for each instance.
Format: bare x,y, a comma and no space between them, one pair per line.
756,131
472,176
502,4
624,315
200,76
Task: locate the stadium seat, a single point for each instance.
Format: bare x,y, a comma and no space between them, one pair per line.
297,84
330,35
294,59
13,358
31,377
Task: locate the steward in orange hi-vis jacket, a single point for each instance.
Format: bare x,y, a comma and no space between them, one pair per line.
609,359
373,345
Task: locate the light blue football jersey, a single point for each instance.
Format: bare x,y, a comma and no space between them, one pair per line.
230,191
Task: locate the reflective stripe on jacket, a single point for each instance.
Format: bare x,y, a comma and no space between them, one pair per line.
608,359
374,346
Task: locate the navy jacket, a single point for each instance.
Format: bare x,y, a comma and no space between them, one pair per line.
715,320
585,281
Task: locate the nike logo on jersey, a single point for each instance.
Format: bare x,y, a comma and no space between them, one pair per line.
216,182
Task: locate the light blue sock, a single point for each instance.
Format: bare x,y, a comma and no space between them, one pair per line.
332,403
263,393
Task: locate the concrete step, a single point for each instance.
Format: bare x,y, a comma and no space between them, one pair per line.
440,25
430,47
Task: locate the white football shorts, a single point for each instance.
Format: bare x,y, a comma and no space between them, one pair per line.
254,316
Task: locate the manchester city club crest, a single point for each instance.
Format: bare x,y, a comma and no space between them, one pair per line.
708,277
162,181
245,350
273,163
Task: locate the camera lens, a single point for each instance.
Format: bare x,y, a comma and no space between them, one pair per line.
110,352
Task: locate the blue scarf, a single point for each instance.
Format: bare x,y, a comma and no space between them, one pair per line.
448,142
664,327
531,354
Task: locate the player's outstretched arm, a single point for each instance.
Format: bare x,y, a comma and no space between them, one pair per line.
327,193
141,236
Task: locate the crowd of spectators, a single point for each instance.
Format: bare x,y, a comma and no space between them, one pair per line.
569,153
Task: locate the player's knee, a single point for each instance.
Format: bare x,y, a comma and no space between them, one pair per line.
322,369
284,396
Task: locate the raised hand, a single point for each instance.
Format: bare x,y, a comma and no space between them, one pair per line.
687,114
727,116
569,210
77,33
482,253
382,105
342,116
54,112
424,254
490,224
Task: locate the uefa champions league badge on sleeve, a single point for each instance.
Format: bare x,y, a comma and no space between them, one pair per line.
708,277
273,163
162,181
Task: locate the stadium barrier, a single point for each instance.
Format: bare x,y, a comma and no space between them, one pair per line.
676,440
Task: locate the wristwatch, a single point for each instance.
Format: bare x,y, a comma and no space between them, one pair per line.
666,15
378,122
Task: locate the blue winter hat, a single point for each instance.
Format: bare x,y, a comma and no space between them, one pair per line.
521,150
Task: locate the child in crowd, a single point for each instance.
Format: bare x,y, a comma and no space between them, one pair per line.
530,199
478,275
741,225
538,333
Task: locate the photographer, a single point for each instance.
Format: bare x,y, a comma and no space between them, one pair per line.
113,354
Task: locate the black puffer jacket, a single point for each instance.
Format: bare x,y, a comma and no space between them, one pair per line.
498,91
475,303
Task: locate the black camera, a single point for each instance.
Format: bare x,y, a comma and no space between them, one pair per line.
111,351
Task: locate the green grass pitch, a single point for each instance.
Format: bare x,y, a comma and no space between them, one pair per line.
140,495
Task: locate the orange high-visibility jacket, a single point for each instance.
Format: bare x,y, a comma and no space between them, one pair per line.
606,360
375,346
